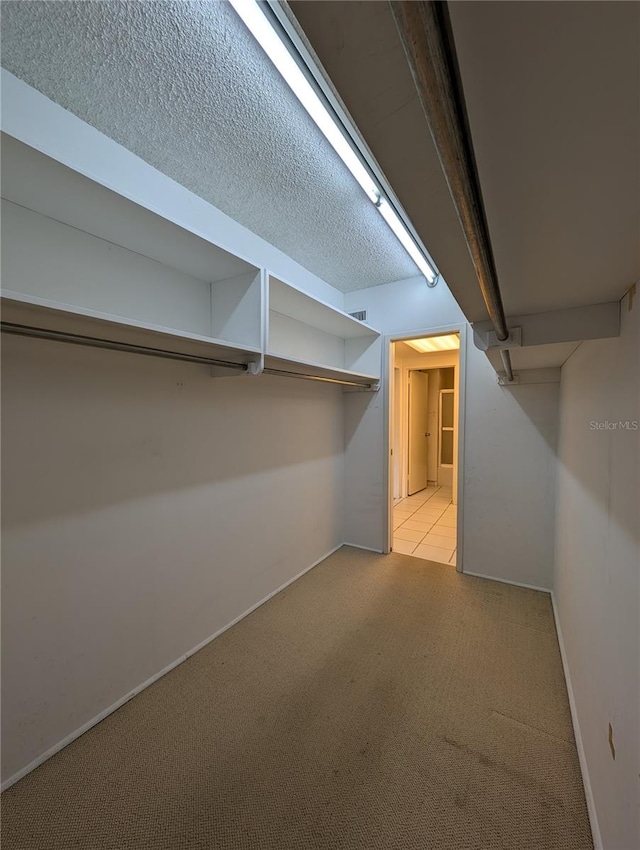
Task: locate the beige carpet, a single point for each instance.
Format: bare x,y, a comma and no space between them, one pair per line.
378,702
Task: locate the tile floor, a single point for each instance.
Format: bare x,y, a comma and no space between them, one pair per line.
424,525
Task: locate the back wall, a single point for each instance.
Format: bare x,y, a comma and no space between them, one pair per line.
510,439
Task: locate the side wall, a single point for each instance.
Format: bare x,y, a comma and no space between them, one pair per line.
598,567
145,507
510,449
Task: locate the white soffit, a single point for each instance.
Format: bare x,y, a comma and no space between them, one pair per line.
553,96
535,356
184,86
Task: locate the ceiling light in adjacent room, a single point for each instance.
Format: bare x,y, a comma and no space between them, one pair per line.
448,342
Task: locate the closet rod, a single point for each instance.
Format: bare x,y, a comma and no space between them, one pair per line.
130,348
426,33
364,385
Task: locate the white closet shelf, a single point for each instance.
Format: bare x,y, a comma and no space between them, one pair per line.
309,337
39,314
289,301
42,185
320,371
74,248
83,264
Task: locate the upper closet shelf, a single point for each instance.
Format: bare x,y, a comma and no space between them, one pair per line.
83,264
31,316
319,371
298,305
311,335
82,260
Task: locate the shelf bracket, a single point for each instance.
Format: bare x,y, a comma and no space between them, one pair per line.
253,367
504,381
514,340
373,387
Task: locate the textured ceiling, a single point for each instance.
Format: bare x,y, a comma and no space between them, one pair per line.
184,86
357,43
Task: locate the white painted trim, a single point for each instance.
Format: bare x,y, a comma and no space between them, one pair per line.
387,472
366,548
387,479
461,381
506,581
139,688
584,769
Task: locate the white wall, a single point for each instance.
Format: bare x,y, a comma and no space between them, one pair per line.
509,476
598,567
365,512
510,445
405,305
145,506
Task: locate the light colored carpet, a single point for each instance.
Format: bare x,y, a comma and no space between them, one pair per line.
377,703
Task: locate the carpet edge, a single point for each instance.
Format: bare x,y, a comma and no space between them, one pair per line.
98,718
582,758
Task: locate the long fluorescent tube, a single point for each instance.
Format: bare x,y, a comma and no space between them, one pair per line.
260,27
389,215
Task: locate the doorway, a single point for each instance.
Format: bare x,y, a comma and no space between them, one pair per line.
424,446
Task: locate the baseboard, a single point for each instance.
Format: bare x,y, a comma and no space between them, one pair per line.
586,781
131,694
364,548
584,770
507,581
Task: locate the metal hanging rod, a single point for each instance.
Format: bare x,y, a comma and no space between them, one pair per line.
283,372
425,30
130,348
506,362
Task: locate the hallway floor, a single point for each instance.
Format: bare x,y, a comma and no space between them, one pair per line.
425,525
377,703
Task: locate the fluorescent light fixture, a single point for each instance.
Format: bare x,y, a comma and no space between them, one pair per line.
389,215
435,343
260,27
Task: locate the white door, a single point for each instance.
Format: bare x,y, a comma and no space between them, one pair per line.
418,386
396,443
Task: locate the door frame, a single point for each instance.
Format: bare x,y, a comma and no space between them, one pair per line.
388,392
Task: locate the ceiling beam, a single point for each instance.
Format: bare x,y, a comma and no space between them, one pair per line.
575,324
425,30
